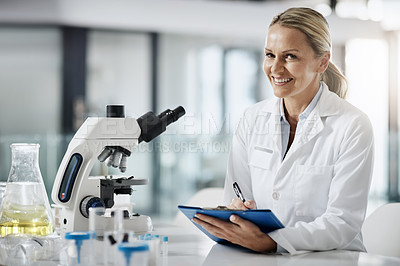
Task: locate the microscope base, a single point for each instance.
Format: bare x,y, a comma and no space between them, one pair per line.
139,224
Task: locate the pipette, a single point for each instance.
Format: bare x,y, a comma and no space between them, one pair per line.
128,248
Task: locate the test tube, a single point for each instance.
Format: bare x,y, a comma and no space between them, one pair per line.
119,223
113,238
154,254
147,237
97,221
164,246
96,228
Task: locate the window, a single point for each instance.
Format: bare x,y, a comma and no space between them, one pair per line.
367,73
214,83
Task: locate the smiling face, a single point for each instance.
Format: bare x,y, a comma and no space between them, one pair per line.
291,64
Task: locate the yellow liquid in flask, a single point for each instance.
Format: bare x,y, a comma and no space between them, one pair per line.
32,220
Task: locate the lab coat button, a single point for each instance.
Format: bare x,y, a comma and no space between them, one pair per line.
275,195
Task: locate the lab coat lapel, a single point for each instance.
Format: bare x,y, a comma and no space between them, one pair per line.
311,128
326,106
276,134
274,125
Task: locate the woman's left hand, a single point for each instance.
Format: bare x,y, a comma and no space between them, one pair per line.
239,231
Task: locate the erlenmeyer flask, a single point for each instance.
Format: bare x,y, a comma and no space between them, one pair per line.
25,208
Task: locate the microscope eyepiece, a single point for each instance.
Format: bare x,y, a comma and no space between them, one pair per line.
152,125
179,112
172,116
115,111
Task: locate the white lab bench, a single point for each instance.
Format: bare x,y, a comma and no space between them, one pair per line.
190,247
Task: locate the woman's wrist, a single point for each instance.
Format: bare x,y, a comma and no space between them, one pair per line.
265,244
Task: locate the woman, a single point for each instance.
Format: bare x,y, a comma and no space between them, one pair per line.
306,154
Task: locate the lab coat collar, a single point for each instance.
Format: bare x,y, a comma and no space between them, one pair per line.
326,106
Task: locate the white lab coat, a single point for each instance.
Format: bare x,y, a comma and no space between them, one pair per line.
320,190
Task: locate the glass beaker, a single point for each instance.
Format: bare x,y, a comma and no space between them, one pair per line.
2,190
25,208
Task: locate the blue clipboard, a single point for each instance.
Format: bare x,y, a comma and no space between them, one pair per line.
265,219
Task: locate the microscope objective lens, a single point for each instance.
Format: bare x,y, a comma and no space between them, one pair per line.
122,165
116,159
110,160
104,154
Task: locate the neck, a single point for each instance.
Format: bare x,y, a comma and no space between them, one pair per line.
296,105
292,118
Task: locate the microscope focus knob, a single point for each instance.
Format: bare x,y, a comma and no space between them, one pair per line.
90,202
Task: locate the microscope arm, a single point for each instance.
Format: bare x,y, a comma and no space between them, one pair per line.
89,141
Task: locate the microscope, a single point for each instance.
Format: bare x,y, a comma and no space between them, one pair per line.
112,139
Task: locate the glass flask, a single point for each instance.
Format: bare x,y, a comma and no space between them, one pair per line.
25,208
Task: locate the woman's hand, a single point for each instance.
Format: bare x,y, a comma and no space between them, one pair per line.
238,204
238,231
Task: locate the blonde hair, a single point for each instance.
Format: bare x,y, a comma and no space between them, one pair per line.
316,29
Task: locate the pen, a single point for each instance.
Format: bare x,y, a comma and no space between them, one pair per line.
238,192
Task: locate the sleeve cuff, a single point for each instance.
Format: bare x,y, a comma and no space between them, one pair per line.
283,245
279,248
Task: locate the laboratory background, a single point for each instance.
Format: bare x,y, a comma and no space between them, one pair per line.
64,61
